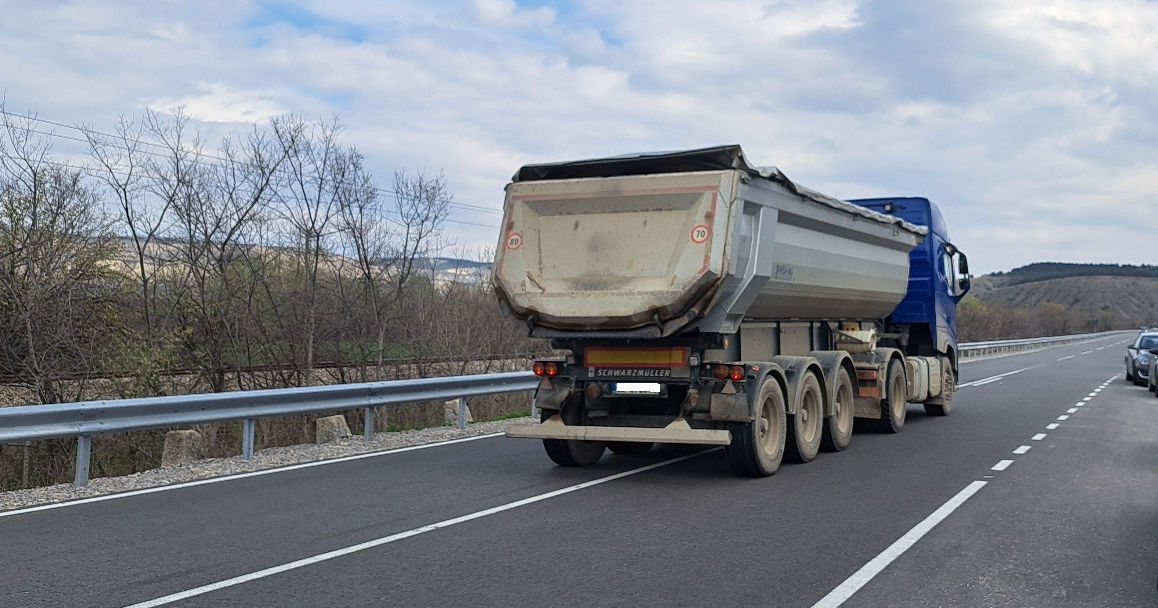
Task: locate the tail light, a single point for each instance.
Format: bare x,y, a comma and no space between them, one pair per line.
728,372
549,369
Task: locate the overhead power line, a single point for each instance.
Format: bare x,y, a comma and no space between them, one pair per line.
200,154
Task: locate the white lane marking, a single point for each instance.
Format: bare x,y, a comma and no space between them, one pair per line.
1021,449
202,482
1087,352
1066,357
993,378
1063,417
861,577
1072,410
1001,465
1038,437
1091,395
1086,399
1051,426
1079,404
446,523
1100,348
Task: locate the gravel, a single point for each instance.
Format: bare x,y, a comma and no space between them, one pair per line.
270,458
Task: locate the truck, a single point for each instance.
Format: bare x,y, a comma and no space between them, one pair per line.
691,297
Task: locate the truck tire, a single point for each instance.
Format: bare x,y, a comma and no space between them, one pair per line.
806,426
572,453
943,404
838,426
629,448
894,404
758,446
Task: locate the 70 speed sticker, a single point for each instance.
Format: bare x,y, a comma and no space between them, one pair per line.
699,233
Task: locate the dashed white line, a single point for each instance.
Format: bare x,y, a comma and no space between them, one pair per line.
861,577
1072,410
1001,465
1051,426
1063,417
1087,352
1038,437
1066,357
1021,449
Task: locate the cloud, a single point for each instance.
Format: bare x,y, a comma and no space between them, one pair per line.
1030,118
218,102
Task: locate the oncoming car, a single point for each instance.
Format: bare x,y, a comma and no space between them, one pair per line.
1138,357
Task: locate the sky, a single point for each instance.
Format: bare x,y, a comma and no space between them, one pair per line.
1033,124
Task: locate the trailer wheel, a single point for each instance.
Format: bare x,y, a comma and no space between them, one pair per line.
943,404
806,426
629,448
894,404
838,426
758,446
568,452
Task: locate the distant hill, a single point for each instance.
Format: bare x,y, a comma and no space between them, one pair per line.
1045,271
1090,296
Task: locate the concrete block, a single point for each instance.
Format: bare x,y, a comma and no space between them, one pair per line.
182,447
450,412
332,428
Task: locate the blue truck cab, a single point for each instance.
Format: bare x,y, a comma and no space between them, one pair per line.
938,279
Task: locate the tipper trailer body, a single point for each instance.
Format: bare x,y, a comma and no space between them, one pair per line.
699,299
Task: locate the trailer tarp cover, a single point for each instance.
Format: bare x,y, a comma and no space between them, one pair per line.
685,161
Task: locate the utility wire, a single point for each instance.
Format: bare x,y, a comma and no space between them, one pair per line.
195,152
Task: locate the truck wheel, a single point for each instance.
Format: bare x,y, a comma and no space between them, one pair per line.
758,446
806,426
943,404
894,404
568,452
838,426
629,448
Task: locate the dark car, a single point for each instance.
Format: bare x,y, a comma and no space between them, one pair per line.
1152,376
1138,357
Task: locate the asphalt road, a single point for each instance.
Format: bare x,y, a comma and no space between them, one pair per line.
922,518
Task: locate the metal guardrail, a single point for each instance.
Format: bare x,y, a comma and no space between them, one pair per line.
976,349
85,418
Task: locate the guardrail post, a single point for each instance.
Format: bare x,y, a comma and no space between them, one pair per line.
462,412
83,457
248,427
368,428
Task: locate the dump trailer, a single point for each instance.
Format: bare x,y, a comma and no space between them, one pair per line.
698,299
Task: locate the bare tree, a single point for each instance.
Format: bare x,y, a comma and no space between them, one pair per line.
55,290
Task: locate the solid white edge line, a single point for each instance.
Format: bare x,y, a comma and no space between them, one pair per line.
321,557
202,482
866,573
1001,465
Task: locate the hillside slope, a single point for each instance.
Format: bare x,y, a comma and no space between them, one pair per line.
1132,301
